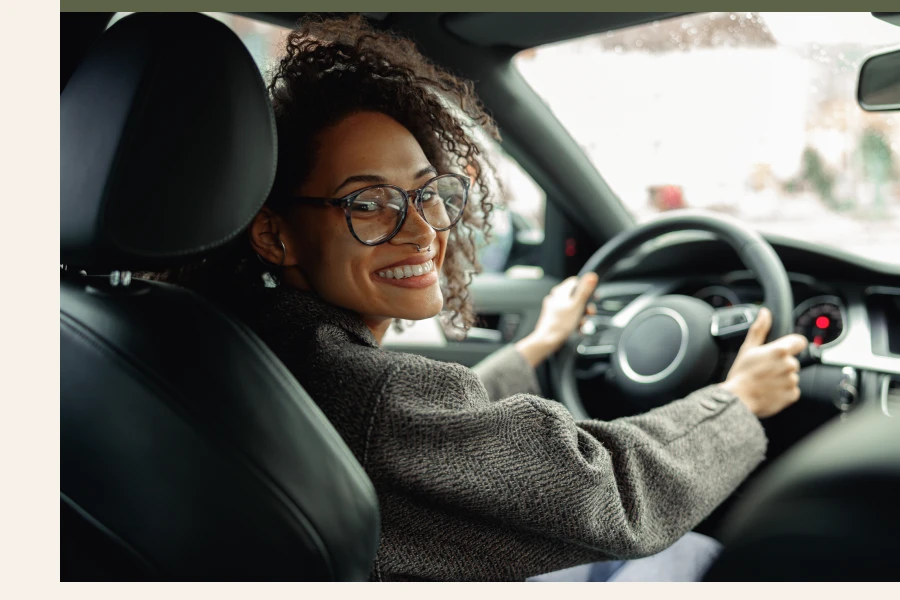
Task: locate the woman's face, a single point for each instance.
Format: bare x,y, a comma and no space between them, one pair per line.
364,149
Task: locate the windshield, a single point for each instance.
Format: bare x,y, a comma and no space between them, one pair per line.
750,114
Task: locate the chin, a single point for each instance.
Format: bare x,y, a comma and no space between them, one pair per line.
420,308
417,315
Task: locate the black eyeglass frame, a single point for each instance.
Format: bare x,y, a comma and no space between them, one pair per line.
346,201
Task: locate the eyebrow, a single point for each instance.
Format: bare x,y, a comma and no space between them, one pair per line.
375,179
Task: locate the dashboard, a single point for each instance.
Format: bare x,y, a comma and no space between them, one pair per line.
846,306
819,315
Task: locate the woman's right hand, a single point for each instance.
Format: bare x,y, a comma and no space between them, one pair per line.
766,376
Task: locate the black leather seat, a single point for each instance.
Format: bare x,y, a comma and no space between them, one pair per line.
188,451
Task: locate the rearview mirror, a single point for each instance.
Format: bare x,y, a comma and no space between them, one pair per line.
879,82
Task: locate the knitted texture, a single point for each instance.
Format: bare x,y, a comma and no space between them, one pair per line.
478,478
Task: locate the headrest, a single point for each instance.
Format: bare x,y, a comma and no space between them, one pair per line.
167,144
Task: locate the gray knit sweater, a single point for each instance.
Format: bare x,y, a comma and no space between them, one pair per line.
479,478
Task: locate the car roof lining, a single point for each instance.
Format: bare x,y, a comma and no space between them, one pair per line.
527,30
516,31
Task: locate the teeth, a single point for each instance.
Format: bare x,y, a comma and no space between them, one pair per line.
407,271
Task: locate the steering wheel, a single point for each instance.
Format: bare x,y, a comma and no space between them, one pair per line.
661,347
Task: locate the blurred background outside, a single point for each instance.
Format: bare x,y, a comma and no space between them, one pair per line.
750,114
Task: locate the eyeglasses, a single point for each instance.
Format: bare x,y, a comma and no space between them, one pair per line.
376,213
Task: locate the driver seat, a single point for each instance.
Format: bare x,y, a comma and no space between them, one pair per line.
187,450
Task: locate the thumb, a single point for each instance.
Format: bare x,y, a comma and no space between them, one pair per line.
756,335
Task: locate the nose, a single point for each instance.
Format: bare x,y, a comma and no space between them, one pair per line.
416,229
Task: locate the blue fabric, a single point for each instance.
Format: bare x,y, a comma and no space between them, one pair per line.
598,571
685,560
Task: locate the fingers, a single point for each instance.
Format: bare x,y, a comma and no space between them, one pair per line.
783,363
793,365
586,286
756,335
791,345
577,287
566,285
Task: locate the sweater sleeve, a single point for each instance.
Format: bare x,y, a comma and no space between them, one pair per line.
506,372
620,489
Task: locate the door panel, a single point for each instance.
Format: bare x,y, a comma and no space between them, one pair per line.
507,307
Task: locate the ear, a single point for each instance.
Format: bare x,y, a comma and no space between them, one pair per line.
267,240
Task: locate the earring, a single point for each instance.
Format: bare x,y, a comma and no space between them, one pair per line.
269,280
283,255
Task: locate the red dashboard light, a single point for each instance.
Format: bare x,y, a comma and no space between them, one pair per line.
823,322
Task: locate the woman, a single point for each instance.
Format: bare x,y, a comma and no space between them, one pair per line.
380,184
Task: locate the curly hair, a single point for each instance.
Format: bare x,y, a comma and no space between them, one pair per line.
331,69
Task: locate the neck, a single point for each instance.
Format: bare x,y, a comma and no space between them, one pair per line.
378,326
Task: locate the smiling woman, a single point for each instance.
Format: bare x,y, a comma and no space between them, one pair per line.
381,183
328,119
316,250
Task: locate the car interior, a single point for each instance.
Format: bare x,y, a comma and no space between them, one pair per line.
228,471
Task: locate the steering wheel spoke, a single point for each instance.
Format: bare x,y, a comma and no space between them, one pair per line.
595,347
732,322
600,344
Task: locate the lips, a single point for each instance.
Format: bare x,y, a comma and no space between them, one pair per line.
415,272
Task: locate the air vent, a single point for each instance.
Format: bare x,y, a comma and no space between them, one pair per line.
890,397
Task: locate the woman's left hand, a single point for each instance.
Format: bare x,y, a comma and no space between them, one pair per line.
563,309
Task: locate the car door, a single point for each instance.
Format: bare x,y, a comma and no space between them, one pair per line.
507,306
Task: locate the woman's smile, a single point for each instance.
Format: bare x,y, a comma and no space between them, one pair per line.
416,272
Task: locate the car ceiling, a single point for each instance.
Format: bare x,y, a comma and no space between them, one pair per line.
514,31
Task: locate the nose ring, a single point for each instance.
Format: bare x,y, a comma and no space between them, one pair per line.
421,249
